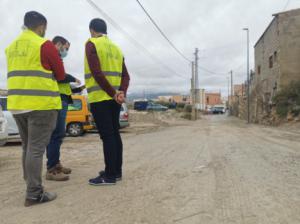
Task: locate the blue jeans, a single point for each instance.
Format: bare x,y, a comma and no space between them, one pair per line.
53,148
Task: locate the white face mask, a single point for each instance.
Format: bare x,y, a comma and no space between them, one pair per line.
63,53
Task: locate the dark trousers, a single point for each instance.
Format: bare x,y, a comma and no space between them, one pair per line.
53,148
106,115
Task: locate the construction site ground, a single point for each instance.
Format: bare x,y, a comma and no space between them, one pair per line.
217,170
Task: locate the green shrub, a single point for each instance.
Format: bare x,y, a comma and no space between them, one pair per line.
296,110
180,105
188,108
288,100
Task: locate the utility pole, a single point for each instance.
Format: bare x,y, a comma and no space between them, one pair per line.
228,94
196,69
197,91
231,78
193,84
193,96
248,78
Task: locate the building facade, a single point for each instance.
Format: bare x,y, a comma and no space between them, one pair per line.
213,99
277,61
175,98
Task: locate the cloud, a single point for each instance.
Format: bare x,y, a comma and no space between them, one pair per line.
214,26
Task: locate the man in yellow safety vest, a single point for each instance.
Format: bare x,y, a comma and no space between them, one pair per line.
107,81
34,67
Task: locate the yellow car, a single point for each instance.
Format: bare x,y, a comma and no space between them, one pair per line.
79,119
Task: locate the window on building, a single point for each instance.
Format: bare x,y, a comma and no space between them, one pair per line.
275,56
271,61
258,69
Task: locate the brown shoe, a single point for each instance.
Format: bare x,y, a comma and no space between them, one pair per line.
43,198
56,175
63,169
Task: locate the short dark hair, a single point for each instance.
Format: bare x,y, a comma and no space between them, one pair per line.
34,19
60,39
98,25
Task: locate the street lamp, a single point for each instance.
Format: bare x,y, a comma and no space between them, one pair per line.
228,101
248,77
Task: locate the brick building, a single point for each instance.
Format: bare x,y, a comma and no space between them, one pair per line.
213,99
175,98
277,55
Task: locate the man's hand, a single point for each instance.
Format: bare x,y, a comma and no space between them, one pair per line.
119,97
78,82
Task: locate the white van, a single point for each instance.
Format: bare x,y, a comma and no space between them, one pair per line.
8,128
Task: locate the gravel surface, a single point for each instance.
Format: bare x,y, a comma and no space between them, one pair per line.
217,170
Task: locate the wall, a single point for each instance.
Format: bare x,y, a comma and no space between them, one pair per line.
289,29
281,41
213,99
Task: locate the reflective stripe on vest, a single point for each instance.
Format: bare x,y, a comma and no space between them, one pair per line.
30,73
30,86
88,76
97,88
29,92
111,59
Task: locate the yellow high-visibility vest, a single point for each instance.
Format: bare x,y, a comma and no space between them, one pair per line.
30,86
111,60
65,88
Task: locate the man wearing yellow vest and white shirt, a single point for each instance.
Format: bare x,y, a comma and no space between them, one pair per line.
34,67
107,81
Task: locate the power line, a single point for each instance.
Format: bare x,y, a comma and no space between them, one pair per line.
139,46
131,39
211,72
287,4
162,33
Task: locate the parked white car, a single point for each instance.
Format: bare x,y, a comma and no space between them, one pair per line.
9,129
124,116
3,128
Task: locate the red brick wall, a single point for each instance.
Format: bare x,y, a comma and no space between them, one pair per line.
213,99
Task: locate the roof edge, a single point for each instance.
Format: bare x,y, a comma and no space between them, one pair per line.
275,15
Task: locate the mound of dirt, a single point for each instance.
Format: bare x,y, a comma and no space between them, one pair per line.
164,118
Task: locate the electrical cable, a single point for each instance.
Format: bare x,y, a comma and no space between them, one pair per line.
132,40
162,33
287,4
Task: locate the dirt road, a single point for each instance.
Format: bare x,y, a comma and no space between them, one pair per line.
215,171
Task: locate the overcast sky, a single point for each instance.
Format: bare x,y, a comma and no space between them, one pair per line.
214,26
